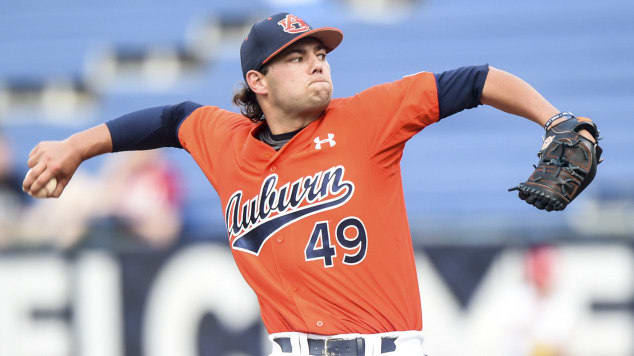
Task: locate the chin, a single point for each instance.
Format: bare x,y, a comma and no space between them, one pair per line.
318,100
324,96
323,103
317,107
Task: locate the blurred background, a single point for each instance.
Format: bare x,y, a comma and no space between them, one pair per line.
133,259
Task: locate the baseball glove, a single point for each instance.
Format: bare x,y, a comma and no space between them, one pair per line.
567,164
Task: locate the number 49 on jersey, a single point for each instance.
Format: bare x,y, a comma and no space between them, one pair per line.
319,245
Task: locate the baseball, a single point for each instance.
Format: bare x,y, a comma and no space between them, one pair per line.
47,190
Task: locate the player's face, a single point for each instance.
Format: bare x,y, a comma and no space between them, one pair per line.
299,80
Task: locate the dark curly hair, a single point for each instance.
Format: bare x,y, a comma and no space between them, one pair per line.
247,101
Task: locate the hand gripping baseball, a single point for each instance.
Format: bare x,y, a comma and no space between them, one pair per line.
48,161
567,164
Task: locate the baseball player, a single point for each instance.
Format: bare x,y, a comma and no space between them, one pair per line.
311,186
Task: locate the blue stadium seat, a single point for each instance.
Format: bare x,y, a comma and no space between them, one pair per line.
578,56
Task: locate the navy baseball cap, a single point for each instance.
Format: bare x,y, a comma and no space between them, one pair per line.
272,35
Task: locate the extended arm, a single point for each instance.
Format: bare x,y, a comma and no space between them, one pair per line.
140,130
567,162
506,92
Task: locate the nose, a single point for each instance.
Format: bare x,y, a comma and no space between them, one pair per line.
317,65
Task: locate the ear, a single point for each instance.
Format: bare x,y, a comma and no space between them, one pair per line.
257,82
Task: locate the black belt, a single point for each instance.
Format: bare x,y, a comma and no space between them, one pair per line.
337,347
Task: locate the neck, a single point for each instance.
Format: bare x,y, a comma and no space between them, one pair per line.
279,123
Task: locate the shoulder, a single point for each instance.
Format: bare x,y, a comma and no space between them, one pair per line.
390,94
207,122
213,115
418,81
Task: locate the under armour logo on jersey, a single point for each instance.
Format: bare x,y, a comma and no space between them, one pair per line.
330,140
293,24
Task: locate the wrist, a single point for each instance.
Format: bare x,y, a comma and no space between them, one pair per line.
90,143
555,119
563,116
76,148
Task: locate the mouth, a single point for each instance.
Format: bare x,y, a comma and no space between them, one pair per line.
319,81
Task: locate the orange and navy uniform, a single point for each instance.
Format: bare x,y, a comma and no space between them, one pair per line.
318,228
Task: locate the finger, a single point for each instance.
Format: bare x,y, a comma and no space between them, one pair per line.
34,159
34,150
61,184
41,181
31,176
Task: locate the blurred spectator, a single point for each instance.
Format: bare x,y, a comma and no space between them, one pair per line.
135,200
540,318
12,199
144,197
64,221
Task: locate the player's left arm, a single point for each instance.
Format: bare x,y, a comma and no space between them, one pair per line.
511,94
569,155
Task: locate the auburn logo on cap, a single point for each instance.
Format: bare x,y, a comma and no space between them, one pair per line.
293,24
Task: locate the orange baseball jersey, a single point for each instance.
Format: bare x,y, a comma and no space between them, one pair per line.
318,229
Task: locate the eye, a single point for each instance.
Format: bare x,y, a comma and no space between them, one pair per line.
296,59
321,56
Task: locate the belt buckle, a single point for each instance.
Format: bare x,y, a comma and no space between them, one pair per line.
344,347
332,347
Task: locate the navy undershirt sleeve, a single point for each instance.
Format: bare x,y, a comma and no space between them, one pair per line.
149,128
460,88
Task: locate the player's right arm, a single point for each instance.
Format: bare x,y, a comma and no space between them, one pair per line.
140,130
